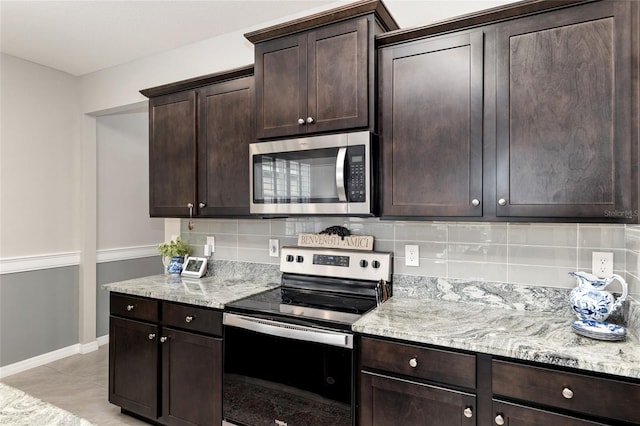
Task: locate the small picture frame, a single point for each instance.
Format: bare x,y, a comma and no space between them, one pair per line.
194,267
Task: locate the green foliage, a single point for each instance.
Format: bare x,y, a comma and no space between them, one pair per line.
174,248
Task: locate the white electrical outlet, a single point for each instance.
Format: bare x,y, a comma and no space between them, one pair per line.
412,255
274,248
602,264
211,242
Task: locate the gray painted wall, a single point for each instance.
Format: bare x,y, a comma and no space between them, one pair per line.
110,272
38,313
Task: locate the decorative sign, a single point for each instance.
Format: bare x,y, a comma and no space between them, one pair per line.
353,242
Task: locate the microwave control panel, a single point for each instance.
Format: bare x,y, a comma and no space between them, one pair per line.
356,185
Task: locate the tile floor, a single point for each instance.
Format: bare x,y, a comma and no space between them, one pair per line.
78,384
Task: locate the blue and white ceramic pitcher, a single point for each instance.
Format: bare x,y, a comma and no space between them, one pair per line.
589,300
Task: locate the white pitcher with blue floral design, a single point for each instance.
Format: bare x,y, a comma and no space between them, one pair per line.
589,300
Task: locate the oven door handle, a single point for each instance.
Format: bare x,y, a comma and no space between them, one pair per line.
289,331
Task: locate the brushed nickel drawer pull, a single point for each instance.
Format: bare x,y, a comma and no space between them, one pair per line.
413,362
189,318
130,307
567,393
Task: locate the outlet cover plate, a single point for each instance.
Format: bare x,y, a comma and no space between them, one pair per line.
274,248
412,255
602,264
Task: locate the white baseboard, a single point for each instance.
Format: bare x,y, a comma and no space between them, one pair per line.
43,359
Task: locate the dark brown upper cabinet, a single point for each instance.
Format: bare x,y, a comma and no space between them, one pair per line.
564,108
432,112
316,74
199,136
531,114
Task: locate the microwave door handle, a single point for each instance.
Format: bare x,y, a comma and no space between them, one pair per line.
340,163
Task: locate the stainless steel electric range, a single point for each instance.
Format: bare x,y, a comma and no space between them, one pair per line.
288,352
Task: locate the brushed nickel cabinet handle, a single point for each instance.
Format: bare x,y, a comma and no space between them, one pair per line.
499,420
301,121
502,202
163,339
152,336
475,202
468,412
130,307
189,318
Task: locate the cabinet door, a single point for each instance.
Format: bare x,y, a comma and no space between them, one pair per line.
338,77
432,112
281,86
564,113
133,366
191,379
226,128
387,401
517,415
172,154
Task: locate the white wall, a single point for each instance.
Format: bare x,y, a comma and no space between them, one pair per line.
119,86
39,165
123,183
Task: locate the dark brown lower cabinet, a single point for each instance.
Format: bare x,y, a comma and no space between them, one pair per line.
393,401
165,361
518,415
133,366
192,382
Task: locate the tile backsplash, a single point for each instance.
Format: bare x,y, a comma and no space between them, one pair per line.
539,254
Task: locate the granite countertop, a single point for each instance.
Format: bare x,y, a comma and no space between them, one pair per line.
18,408
229,282
543,335
526,323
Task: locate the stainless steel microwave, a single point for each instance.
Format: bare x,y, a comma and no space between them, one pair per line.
318,175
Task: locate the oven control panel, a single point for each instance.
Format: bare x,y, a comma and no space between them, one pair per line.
351,264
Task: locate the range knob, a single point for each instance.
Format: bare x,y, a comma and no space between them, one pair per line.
364,263
289,258
375,264
299,259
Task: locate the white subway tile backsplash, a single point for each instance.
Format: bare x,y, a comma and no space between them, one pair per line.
545,276
520,253
495,233
421,231
495,253
543,256
601,236
536,234
427,249
480,271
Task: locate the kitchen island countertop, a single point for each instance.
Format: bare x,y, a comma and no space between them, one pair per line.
525,335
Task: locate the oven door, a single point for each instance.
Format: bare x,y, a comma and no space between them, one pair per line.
285,374
316,175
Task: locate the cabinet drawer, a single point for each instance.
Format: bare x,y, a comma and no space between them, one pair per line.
193,318
134,307
611,399
431,364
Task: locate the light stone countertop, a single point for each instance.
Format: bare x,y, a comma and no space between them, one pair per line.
526,323
543,336
18,408
230,281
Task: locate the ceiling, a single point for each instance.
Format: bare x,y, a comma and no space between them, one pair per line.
84,36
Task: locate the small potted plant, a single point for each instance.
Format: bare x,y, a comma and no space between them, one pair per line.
173,254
